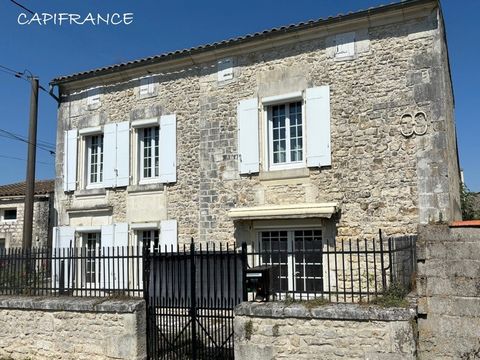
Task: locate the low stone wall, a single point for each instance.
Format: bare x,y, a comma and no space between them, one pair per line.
335,331
71,328
448,286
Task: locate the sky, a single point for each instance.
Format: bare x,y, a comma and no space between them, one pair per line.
160,26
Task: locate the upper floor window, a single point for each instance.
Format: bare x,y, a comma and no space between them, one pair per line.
295,131
8,215
285,125
94,159
149,153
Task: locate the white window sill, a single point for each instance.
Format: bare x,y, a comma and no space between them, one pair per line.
145,187
288,166
274,174
8,221
95,186
149,181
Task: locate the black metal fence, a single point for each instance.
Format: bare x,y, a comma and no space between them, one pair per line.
100,272
338,270
191,296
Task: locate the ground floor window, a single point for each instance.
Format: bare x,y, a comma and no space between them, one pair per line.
92,248
295,257
150,238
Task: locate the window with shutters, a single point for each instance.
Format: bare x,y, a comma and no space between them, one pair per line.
149,154
94,163
294,132
285,135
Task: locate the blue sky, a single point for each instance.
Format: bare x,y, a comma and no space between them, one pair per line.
160,26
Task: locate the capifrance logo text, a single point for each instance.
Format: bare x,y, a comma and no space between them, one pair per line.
60,19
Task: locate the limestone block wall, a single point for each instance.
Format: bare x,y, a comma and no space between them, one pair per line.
43,220
448,292
69,328
338,331
379,177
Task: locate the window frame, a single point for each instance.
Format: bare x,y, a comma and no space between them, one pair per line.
268,127
88,161
97,272
140,136
2,215
291,262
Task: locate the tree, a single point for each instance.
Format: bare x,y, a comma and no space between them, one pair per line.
470,204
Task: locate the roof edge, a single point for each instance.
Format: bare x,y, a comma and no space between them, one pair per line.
249,38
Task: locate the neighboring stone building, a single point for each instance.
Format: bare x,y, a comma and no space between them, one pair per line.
12,204
327,129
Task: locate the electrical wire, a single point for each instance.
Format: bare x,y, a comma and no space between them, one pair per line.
23,7
21,159
48,148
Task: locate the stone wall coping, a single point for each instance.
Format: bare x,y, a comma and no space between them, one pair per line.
105,305
330,311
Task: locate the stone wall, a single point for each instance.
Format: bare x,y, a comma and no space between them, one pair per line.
69,328
379,177
43,219
449,292
338,331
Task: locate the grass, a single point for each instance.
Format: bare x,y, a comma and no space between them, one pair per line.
394,296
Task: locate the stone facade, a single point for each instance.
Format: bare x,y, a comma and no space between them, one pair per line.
275,331
398,81
43,218
32,328
448,292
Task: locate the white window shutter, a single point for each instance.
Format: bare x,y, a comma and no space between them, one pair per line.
110,265
318,126
168,148
121,235
106,239
248,154
120,240
63,240
168,235
70,160
109,154
123,154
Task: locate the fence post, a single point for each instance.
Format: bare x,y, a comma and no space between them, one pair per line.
193,300
146,295
390,259
382,263
244,272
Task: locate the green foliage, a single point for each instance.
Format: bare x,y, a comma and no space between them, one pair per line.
469,202
394,296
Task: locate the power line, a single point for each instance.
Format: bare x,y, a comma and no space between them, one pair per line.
10,135
21,159
23,7
21,75
46,143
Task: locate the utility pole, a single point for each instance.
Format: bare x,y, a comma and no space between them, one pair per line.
30,180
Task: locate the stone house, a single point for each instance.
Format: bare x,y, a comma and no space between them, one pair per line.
12,203
333,128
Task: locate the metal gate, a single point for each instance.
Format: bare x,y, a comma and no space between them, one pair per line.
190,296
